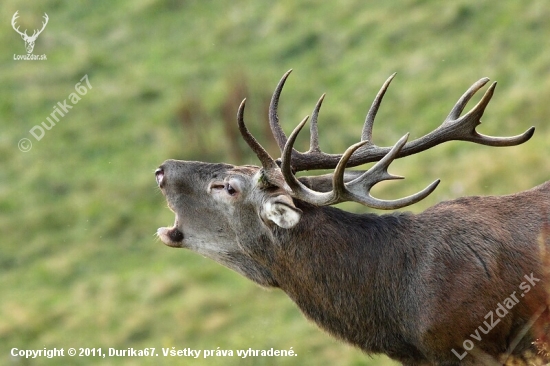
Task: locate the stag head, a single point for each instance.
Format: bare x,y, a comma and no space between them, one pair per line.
29,40
216,205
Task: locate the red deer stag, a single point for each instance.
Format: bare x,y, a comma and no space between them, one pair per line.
448,286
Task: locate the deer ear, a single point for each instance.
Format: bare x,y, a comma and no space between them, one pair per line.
281,211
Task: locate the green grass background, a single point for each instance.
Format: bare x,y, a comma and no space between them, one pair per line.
79,263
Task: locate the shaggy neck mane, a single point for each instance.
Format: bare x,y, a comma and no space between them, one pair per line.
331,264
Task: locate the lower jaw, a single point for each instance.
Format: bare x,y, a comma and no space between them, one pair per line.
172,237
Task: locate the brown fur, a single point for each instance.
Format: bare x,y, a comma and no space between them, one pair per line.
412,286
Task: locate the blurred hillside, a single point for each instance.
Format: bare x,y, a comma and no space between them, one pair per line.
79,262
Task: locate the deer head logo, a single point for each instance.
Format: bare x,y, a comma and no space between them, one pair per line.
29,40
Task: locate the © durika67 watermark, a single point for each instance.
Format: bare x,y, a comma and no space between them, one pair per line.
60,110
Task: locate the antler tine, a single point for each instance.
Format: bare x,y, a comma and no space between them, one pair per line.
465,98
338,183
286,158
267,161
299,190
358,189
366,134
313,129
276,128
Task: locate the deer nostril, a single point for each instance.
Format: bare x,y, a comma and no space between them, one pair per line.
159,175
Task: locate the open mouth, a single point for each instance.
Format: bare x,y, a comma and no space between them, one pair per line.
159,176
170,236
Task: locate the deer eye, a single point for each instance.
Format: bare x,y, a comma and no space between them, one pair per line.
217,186
229,189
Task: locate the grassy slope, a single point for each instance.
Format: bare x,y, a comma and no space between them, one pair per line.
79,264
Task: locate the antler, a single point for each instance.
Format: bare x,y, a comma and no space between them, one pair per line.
267,161
356,187
453,127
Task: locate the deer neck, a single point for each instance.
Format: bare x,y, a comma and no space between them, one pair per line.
341,269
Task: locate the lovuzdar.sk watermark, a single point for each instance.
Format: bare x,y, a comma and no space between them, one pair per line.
29,40
502,309
60,110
